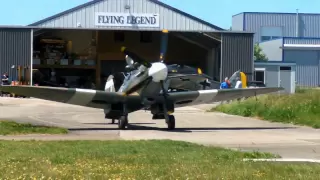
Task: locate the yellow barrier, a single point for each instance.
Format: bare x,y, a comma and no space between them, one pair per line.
243,78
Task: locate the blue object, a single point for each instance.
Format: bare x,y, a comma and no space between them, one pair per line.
224,85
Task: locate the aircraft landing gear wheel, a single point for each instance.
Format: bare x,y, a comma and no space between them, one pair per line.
171,122
123,122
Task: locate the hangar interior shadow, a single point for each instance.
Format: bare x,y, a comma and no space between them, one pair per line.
196,49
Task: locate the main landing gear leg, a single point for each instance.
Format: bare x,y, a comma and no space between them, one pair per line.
123,120
170,120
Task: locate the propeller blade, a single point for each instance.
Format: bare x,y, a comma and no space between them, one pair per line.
164,44
135,57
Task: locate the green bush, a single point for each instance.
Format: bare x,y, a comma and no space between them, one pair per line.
302,108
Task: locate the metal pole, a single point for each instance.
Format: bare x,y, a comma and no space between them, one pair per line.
31,60
297,23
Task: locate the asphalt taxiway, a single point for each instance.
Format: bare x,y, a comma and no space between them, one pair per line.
193,124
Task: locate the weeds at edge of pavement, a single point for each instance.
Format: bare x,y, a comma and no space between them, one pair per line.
14,128
301,108
152,159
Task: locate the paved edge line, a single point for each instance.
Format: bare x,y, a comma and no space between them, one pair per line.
285,160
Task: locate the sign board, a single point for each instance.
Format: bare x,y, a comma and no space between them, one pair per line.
126,19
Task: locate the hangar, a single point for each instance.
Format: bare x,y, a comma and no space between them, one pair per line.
81,46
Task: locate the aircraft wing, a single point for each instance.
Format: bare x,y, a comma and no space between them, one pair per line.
187,98
99,99
82,97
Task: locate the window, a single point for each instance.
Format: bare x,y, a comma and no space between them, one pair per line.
146,37
118,36
270,32
259,74
285,68
266,38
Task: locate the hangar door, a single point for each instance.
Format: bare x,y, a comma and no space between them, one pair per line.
15,51
237,54
307,66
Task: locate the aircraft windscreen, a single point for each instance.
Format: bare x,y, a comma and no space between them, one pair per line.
181,69
233,78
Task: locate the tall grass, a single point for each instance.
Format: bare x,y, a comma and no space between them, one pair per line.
301,108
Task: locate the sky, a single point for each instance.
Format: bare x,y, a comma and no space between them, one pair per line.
219,13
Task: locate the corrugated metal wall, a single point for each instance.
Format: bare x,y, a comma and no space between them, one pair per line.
15,49
253,22
308,23
301,40
307,69
236,53
168,19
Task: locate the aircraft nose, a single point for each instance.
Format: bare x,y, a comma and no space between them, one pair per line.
158,71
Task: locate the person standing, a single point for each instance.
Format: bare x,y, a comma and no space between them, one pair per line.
238,83
225,84
5,79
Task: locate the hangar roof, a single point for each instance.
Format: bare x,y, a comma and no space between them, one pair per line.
154,1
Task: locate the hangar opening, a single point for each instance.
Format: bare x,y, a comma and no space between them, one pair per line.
85,58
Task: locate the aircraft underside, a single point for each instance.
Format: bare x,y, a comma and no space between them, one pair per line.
158,110
120,112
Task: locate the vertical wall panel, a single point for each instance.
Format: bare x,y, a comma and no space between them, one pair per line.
272,49
15,49
308,23
307,69
236,53
237,22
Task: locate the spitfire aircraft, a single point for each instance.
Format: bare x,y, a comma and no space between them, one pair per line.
152,86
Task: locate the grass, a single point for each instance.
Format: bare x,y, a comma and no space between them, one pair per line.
13,128
301,108
138,160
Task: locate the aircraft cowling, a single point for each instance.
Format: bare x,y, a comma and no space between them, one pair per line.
158,71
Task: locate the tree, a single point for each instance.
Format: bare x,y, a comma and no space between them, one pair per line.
258,53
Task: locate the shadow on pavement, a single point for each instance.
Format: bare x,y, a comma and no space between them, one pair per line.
202,129
114,123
